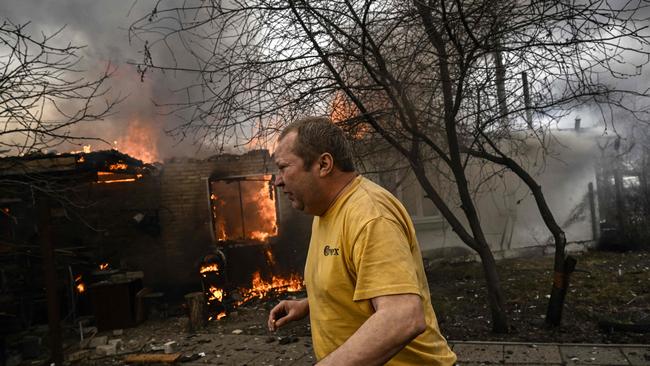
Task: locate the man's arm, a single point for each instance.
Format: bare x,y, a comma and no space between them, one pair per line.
287,311
397,320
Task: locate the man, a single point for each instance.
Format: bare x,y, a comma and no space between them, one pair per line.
367,294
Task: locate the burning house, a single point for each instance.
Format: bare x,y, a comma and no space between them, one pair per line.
121,229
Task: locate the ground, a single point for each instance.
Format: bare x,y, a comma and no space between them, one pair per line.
605,286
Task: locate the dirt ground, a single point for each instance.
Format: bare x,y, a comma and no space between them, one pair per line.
606,286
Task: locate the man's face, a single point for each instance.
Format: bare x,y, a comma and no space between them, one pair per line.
299,184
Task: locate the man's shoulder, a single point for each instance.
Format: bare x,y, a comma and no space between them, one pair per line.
374,193
370,200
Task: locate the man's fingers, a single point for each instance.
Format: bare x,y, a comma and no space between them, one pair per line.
271,323
276,312
281,322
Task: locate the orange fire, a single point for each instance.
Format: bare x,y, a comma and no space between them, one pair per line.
342,108
244,209
221,225
260,235
140,141
269,256
219,316
209,268
79,285
215,294
118,166
103,266
117,180
86,149
110,177
267,212
261,288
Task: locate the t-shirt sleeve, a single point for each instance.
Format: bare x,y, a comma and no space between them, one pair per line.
383,261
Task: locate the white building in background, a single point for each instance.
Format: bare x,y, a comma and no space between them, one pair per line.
508,212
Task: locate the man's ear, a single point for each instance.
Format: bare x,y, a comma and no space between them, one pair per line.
325,164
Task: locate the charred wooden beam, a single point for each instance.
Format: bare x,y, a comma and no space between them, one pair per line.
49,271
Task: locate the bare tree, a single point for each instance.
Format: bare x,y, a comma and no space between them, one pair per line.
43,92
434,80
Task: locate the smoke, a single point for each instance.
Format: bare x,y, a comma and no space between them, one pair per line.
102,27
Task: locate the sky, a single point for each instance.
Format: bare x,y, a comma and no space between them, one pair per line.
102,26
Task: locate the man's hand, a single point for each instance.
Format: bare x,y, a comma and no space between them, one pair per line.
287,311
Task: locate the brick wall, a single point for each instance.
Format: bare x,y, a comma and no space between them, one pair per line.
185,210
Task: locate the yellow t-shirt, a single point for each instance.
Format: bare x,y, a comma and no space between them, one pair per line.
363,247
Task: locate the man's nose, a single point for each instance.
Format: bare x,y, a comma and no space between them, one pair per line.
278,181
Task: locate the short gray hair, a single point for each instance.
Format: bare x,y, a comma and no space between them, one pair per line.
318,135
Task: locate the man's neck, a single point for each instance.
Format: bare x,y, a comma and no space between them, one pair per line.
336,187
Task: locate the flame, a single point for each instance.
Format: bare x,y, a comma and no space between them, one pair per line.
86,149
118,166
209,268
219,316
269,256
118,180
139,141
80,286
260,235
221,225
106,177
267,212
261,288
215,294
81,159
259,216
103,266
342,108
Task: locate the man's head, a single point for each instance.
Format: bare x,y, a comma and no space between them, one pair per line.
313,158
318,135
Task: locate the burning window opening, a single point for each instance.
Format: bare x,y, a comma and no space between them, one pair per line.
244,208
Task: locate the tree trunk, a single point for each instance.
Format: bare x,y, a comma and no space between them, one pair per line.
479,242
558,292
495,295
560,261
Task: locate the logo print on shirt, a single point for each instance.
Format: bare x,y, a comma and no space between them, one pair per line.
330,251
